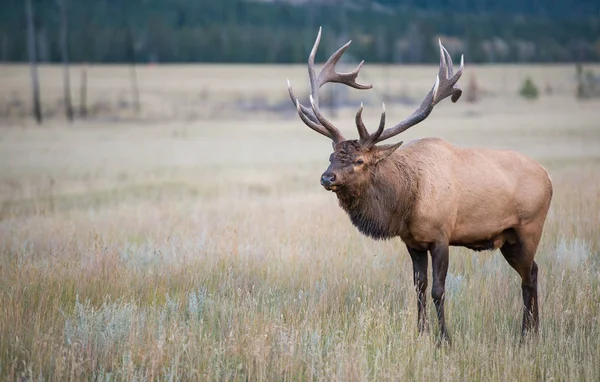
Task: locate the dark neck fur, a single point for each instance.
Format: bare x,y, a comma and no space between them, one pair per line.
381,208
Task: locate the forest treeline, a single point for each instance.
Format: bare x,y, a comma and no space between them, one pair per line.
283,31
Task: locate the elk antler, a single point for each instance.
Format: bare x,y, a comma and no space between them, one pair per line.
444,87
312,116
367,139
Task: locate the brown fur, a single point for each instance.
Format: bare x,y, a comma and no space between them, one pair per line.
430,191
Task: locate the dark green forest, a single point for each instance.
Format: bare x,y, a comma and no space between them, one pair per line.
283,31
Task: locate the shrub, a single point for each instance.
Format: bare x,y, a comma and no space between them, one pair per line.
528,89
588,85
99,330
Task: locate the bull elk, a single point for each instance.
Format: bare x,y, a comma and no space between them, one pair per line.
432,194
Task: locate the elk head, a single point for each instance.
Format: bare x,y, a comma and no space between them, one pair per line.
352,161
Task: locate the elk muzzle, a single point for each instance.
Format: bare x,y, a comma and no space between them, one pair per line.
328,180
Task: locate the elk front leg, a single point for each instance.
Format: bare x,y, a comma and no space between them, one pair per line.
419,260
439,264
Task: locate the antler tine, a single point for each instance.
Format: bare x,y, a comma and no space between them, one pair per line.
314,85
307,112
336,136
360,125
447,77
381,125
367,139
308,122
328,73
444,87
447,59
457,93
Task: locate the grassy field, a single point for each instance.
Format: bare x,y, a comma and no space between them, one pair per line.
181,245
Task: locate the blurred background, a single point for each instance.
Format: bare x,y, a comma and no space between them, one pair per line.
87,35
281,31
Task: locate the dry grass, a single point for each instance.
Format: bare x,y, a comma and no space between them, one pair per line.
200,250
189,92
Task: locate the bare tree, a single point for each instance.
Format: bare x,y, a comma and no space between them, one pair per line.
83,93
35,83
134,79
43,49
64,49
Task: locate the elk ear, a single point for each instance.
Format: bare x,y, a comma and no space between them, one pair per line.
383,151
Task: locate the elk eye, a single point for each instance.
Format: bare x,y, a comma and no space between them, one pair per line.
359,161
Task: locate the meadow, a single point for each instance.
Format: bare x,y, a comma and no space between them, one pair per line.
192,241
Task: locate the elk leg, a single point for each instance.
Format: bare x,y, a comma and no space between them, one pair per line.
419,260
532,309
520,257
439,264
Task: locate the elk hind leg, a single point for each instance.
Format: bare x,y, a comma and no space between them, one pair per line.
439,264
520,256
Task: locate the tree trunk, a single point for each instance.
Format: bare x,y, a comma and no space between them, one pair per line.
64,49
134,80
42,44
135,89
83,93
35,83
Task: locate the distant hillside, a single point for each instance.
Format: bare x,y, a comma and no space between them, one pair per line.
557,9
282,31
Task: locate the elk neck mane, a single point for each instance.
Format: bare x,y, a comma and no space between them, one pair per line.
381,208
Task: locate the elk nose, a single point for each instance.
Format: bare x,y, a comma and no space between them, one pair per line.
327,179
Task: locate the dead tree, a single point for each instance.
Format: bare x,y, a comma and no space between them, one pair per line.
134,79
83,92
31,48
64,49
